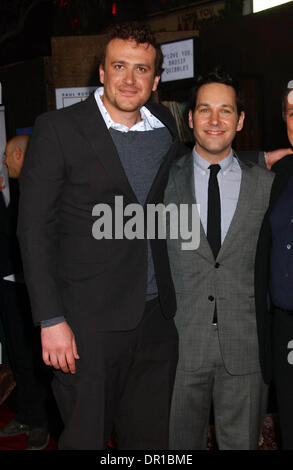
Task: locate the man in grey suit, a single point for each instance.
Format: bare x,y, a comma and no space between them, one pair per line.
218,343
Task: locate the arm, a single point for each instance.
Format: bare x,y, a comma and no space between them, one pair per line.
274,155
264,159
41,187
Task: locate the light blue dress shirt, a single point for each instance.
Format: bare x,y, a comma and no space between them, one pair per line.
229,180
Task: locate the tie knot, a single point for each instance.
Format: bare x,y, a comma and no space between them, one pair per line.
214,169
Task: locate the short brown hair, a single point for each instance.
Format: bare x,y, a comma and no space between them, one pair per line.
285,94
138,32
217,75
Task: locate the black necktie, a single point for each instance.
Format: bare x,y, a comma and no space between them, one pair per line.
214,217
214,211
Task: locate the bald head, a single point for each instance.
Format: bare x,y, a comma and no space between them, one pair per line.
14,154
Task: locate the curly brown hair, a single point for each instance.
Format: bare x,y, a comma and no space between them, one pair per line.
138,32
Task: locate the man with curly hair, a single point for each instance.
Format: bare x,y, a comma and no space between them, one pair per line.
105,306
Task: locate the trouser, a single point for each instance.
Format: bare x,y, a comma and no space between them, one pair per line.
122,387
22,341
239,403
283,373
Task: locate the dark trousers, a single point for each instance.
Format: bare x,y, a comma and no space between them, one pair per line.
24,353
283,373
122,387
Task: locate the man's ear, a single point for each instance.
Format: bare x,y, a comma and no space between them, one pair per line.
156,82
240,121
21,161
190,119
101,73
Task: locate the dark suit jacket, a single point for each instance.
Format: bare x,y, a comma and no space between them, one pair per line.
283,170
70,166
10,260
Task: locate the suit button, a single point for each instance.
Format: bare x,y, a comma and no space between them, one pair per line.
211,298
217,265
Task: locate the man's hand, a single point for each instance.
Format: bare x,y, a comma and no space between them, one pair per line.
274,155
59,347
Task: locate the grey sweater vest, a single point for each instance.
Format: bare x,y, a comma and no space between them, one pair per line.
141,155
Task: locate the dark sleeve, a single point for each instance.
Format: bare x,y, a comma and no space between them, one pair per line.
41,185
52,322
254,156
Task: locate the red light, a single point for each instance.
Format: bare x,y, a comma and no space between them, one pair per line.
61,3
114,8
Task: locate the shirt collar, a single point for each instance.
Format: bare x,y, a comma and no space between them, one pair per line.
148,120
202,165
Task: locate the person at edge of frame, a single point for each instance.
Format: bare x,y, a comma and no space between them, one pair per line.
273,279
218,345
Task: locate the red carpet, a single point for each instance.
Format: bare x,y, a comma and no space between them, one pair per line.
267,441
16,442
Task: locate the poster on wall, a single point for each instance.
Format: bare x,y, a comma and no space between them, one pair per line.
188,19
68,96
178,60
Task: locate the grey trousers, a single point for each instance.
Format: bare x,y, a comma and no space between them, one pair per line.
239,403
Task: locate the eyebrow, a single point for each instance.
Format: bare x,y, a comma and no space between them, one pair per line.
124,62
230,106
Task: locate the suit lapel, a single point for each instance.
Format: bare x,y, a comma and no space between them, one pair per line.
161,178
184,184
96,132
245,199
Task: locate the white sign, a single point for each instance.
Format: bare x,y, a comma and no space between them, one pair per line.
178,60
260,5
68,96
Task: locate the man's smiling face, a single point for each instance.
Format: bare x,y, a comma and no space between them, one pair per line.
215,121
128,76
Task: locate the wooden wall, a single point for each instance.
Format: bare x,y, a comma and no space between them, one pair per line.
75,59
257,48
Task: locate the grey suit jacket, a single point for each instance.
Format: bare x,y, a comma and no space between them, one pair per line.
199,281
